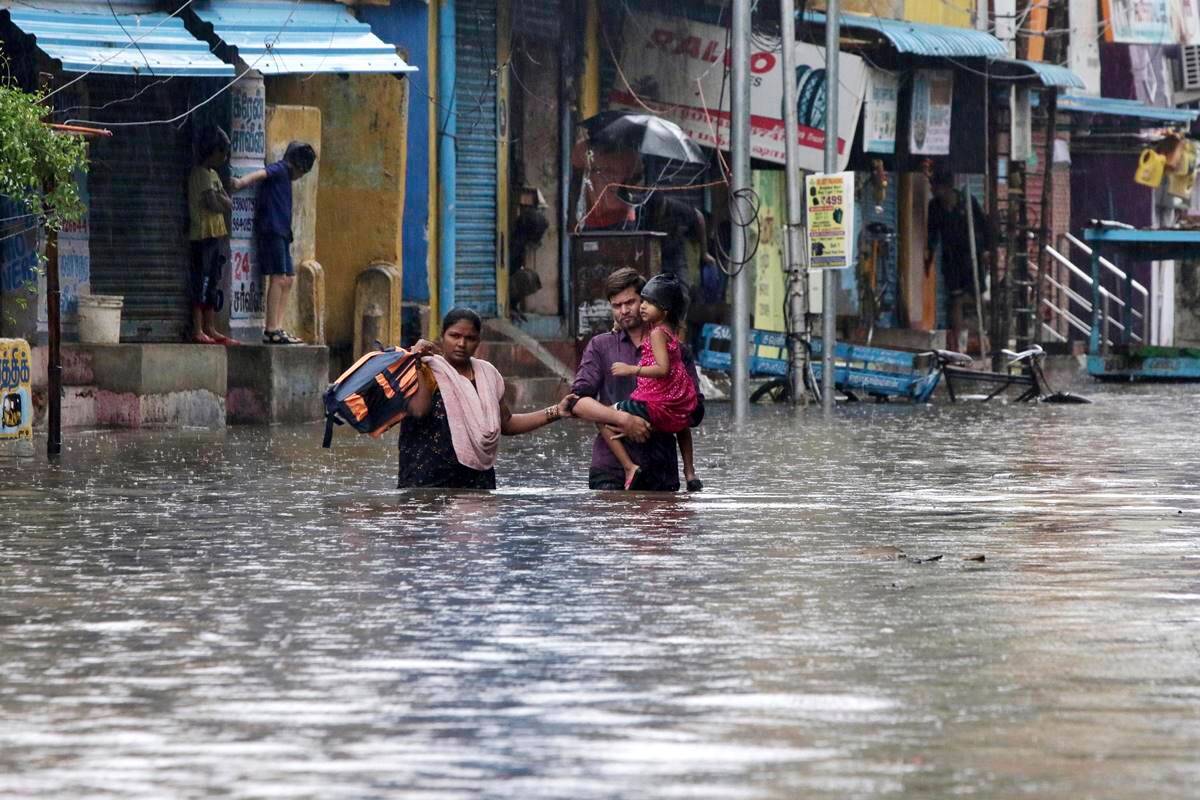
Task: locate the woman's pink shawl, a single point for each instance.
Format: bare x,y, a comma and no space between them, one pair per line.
472,411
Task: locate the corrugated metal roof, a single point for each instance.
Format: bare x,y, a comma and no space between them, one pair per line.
148,44
1125,108
1048,74
921,39
279,38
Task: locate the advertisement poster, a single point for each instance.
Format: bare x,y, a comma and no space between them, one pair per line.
769,280
247,134
74,263
1140,21
879,117
678,68
830,220
932,99
16,398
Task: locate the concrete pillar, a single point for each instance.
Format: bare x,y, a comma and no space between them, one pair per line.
378,292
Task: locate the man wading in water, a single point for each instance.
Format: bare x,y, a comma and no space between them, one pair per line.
654,452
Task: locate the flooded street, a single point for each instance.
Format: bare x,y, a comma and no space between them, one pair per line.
241,614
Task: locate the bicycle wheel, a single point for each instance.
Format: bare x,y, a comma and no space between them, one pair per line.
777,390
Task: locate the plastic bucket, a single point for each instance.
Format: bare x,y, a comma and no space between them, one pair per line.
100,318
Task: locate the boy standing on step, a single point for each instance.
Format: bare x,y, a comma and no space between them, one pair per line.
273,231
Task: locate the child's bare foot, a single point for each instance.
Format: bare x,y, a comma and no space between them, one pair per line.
631,476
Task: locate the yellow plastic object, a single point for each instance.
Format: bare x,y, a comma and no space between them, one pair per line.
1182,179
1150,168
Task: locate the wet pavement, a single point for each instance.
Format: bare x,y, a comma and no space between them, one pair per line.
241,614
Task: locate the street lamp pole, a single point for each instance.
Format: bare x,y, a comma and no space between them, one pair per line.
828,279
795,259
739,146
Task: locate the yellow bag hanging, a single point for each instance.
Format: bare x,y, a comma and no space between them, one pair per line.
1150,168
1181,180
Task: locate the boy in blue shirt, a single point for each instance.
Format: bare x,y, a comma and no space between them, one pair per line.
273,231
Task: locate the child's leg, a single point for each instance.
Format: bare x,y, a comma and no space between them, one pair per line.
621,454
684,437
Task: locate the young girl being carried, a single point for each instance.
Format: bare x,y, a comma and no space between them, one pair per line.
665,395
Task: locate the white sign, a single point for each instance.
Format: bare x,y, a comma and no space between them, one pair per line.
677,68
879,119
247,128
246,284
932,101
1141,21
1083,45
830,200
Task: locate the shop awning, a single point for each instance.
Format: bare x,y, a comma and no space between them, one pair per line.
920,39
1049,74
283,37
1111,106
128,44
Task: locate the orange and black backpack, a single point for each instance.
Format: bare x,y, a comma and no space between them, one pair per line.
373,394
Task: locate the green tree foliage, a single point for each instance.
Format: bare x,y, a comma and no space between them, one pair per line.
36,164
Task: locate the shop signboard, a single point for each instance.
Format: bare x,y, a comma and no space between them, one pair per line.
1140,21
248,150
879,117
677,68
830,220
16,398
932,99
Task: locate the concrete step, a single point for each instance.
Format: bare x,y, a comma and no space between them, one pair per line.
527,394
514,360
274,383
78,407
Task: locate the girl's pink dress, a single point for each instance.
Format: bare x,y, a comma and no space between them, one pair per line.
670,401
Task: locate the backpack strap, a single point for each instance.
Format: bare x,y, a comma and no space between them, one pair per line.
330,421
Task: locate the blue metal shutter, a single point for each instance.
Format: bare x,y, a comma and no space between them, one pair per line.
476,192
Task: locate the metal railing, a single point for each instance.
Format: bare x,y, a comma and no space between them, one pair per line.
1115,314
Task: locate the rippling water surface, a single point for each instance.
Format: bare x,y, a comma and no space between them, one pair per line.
240,614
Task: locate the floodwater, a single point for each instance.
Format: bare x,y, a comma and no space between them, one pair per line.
240,614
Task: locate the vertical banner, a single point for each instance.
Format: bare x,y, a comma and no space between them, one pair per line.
1139,21
74,264
929,126
248,140
769,294
16,398
879,116
830,220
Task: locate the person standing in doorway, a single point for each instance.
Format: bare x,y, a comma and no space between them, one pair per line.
208,207
273,231
948,226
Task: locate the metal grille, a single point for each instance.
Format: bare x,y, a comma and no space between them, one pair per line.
1189,56
475,195
139,217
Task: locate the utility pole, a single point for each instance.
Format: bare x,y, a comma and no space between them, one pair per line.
739,146
833,35
794,256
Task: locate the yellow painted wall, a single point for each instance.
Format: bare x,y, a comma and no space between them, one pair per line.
956,13
360,197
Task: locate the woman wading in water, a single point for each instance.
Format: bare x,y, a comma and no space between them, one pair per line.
453,445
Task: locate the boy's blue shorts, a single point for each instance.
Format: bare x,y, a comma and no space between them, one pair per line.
275,256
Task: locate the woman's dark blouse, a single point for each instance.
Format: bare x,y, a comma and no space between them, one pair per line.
427,457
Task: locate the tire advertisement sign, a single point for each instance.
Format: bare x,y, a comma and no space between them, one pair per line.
932,99
830,201
677,68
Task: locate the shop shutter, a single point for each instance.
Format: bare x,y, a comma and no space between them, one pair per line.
475,196
139,218
540,20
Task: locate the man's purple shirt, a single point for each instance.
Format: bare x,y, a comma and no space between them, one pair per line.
594,378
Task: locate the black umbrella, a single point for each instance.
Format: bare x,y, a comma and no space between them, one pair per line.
646,133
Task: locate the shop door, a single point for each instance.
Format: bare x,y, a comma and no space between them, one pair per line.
476,173
139,218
